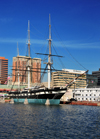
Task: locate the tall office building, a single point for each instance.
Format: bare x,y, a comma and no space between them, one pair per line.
3,70
20,69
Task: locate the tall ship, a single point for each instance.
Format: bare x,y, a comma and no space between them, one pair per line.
39,94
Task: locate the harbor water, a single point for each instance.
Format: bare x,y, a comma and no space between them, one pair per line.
19,121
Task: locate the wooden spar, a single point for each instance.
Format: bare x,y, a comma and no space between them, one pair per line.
37,69
18,67
49,56
28,38
28,53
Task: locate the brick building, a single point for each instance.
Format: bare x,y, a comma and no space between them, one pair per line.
20,64
3,70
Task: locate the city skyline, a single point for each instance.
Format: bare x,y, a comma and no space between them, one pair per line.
75,27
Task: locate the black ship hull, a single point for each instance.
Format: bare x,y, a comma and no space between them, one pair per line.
39,96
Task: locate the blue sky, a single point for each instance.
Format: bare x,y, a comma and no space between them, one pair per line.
75,26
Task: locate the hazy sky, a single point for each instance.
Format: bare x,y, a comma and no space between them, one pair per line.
75,26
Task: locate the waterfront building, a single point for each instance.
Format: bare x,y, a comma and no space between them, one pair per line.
86,94
97,74
92,80
62,78
3,70
20,69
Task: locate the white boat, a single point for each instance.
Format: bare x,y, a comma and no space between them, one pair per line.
86,94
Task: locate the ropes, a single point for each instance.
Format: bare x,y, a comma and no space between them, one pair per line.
43,37
37,30
59,58
69,52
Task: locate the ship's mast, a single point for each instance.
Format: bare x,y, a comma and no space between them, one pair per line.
17,50
28,38
28,53
18,66
49,56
